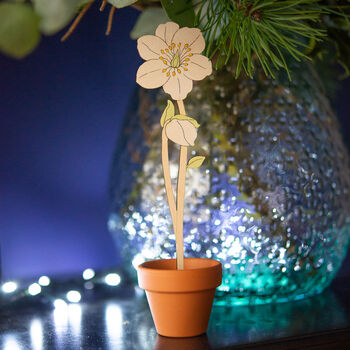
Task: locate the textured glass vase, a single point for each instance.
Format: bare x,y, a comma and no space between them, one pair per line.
271,201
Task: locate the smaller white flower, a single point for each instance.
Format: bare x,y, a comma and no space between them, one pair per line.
182,132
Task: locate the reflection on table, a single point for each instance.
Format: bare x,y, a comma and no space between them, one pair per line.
125,323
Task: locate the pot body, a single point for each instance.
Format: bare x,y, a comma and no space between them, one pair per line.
180,300
271,201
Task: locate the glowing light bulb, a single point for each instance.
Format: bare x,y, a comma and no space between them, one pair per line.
44,281
34,289
112,279
88,274
73,296
9,287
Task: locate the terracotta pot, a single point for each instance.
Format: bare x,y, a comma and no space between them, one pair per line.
180,300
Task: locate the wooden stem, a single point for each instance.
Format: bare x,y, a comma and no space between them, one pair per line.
103,5
76,21
180,104
180,199
167,178
110,20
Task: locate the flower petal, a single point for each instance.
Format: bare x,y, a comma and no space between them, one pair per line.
178,86
150,46
181,132
150,74
166,31
198,67
191,36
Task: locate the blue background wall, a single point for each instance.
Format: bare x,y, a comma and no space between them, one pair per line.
60,112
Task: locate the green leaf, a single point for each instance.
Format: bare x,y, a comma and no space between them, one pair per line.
185,117
55,14
121,3
19,29
180,11
148,22
168,113
195,162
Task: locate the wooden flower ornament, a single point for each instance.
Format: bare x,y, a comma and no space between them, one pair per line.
173,60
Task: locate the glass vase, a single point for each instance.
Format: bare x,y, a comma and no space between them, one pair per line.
271,201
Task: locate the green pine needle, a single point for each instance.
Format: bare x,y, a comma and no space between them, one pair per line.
268,30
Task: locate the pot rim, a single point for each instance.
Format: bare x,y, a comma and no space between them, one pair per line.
148,265
161,275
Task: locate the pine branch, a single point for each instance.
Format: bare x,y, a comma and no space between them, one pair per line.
269,30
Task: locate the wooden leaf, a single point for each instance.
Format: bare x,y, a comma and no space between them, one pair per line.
195,162
168,113
185,117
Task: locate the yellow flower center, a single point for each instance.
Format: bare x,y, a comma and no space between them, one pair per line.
175,62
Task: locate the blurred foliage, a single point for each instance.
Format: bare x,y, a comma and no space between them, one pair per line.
121,3
19,29
54,14
180,11
337,24
148,22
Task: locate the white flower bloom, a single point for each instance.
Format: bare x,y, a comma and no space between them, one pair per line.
182,132
173,59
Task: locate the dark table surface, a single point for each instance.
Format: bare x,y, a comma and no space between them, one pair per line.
124,322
